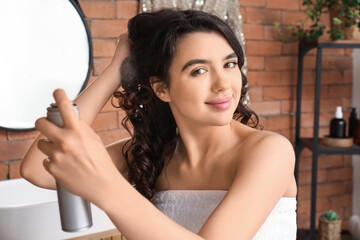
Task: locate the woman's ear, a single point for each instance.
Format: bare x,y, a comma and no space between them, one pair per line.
160,89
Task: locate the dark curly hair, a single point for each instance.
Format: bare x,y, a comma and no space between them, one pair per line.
149,120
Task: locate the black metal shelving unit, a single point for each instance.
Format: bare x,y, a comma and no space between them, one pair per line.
313,143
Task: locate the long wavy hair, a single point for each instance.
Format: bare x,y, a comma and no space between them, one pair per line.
149,120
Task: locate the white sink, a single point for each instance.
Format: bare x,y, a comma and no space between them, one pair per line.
28,212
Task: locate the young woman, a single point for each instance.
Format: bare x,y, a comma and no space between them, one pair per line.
196,167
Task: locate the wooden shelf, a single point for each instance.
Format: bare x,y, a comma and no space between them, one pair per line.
323,149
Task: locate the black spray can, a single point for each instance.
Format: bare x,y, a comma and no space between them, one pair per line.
75,212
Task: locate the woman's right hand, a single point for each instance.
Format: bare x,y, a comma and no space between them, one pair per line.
122,50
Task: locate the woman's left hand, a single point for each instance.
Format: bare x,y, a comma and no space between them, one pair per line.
77,157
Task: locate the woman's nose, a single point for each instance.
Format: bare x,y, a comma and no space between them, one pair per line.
221,82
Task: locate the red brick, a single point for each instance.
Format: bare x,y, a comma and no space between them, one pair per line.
292,18
309,62
255,63
278,93
2,135
330,161
104,47
271,34
349,186
98,9
348,212
108,28
306,176
308,77
100,64
263,48
126,9
4,169
322,204
349,51
253,31
14,169
337,62
105,121
255,3
329,105
276,123
348,76
346,103
333,51
308,92
281,63
262,16
347,161
304,192
288,107
337,91
282,4
330,189
13,150
340,174
22,135
255,94
303,221
112,136
307,119
289,78
266,108
264,78
331,77
341,201
290,48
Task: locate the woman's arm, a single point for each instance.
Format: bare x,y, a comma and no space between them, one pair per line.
89,102
259,184
81,164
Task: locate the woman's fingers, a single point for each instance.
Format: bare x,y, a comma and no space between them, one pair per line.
46,146
48,129
66,109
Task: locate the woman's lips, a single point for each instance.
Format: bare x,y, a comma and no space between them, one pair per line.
220,103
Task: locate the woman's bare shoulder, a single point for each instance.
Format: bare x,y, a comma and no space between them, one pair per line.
115,151
260,143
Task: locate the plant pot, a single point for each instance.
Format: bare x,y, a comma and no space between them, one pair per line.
329,230
351,33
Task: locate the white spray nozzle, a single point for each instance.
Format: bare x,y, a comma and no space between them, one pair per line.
338,113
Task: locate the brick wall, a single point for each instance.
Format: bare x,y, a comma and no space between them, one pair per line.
272,80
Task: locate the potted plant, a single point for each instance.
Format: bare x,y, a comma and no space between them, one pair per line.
344,21
330,226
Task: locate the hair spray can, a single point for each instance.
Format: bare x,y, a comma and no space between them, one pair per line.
75,212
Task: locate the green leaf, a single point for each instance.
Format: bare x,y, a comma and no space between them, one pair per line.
337,20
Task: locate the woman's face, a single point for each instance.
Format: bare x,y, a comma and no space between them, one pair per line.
205,80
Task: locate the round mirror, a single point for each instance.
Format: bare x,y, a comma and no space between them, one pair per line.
44,45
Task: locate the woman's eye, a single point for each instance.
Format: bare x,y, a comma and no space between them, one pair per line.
230,64
198,71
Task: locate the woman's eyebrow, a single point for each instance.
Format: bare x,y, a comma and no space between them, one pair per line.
231,55
202,61
192,62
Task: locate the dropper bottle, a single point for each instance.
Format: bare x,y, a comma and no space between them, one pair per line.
338,124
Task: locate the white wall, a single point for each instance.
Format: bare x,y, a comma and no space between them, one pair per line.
356,158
